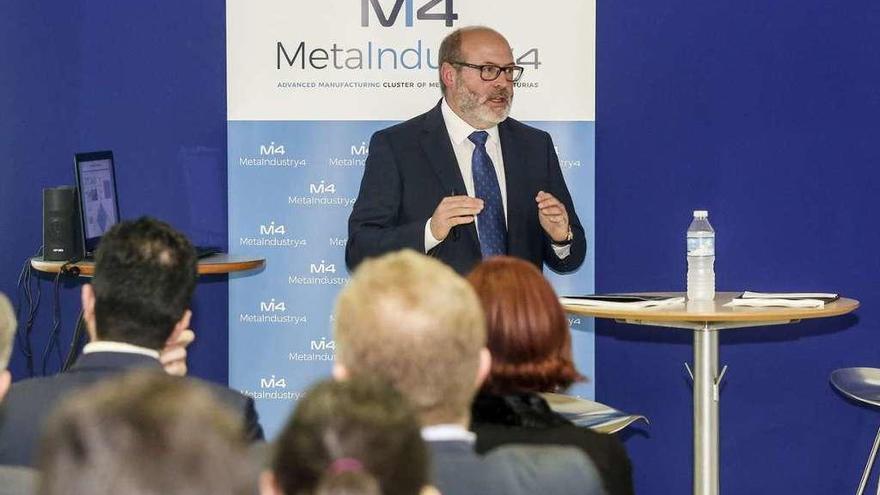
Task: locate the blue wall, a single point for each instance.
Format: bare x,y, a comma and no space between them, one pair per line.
144,79
764,113
761,112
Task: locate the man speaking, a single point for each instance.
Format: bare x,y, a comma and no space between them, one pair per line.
463,181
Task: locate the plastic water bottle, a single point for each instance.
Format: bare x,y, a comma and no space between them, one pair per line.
701,258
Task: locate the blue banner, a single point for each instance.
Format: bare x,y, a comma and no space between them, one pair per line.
308,84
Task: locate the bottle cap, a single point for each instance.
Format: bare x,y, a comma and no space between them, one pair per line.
701,214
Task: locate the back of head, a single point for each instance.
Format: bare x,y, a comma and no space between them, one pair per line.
7,330
145,433
413,321
527,329
356,437
145,273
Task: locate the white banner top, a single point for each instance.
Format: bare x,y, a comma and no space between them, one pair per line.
382,63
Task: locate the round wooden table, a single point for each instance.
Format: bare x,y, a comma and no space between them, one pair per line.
209,265
706,319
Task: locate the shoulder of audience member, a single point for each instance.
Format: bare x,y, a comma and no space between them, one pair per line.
550,468
29,386
221,392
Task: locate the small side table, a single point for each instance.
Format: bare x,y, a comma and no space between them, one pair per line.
706,319
209,265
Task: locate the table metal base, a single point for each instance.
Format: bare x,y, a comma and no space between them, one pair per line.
707,388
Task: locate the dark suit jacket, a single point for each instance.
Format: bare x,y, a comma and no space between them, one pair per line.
527,419
30,402
514,470
412,167
457,469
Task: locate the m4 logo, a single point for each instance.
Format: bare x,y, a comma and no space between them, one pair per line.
272,149
427,12
322,267
323,345
360,150
322,188
273,382
273,229
272,306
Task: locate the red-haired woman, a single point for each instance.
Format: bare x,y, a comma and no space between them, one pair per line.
530,343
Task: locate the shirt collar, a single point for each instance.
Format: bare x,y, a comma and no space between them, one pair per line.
458,129
109,346
446,433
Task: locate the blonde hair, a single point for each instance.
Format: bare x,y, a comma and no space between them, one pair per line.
413,321
7,330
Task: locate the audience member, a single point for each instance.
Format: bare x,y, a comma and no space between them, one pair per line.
357,437
7,331
145,433
138,301
530,343
413,321
14,480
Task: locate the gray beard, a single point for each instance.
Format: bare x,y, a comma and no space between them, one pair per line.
470,106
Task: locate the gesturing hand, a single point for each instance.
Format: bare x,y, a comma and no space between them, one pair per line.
452,211
173,355
552,216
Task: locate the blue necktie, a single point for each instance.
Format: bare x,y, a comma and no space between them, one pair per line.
490,221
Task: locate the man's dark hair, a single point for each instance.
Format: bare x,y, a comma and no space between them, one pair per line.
145,273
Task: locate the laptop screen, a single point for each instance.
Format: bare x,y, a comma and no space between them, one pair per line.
96,186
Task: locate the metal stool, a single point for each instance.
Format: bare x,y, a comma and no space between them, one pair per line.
863,385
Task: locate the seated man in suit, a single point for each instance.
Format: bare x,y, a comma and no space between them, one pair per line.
145,433
413,321
464,181
138,301
14,480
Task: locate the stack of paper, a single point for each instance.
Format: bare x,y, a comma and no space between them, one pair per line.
621,301
593,415
783,299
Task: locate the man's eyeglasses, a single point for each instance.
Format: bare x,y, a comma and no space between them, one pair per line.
490,72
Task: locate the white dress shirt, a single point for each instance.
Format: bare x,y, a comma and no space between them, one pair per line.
447,432
459,131
109,346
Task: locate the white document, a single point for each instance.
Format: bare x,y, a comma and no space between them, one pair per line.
599,303
787,295
785,303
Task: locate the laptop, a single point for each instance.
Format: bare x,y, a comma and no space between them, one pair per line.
98,200
96,191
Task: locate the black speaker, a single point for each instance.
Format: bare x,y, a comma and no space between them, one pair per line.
61,231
